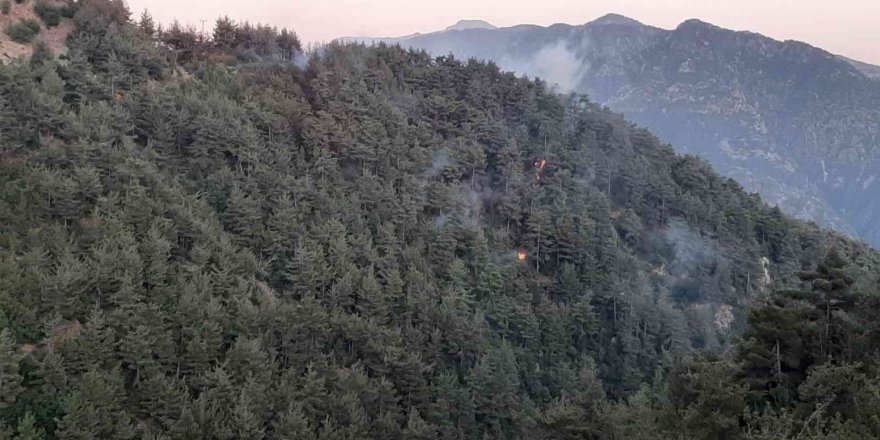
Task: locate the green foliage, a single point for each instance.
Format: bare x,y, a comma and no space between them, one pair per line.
51,13
96,16
23,32
800,328
247,42
705,400
257,250
10,379
27,429
5,7
146,23
224,32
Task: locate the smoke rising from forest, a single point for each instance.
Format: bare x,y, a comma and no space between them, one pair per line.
691,249
555,63
439,161
300,60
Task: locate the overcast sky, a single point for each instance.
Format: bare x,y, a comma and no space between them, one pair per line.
847,27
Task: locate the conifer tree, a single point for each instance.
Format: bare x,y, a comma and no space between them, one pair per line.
95,410
10,379
225,32
27,430
146,23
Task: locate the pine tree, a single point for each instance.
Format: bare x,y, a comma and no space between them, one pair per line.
163,399
95,410
372,301
706,401
289,43
146,23
495,383
225,32
10,379
246,424
27,430
243,216
292,425
417,428
833,300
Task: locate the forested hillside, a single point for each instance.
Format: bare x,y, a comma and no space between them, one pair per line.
788,120
225,238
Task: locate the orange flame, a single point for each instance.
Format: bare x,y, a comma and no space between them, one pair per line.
521,255
539,168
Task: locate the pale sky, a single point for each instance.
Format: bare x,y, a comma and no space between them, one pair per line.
846,27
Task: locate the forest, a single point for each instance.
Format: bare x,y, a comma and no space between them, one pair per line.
228,237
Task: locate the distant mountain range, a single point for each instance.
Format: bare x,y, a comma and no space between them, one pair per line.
795,123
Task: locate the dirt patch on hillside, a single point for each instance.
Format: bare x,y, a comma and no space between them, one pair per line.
54,37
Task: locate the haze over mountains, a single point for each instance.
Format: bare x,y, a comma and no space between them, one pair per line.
795,123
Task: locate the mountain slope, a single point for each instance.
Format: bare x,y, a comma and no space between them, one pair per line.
52,37
380,245
793,122
870,70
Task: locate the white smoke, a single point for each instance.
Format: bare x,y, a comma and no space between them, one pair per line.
439,162
555,63
300,60
440,221
471,203
691,249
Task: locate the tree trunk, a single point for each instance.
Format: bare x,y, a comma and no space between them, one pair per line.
778,363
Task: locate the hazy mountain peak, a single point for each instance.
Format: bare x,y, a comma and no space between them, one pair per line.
470,24
695,23
615,19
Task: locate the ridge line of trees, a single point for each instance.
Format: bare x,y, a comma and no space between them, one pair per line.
245,40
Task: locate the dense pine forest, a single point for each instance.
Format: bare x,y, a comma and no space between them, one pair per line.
227,237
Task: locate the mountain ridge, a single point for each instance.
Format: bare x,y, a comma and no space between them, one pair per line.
465,24
615,19
609,19
767,112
